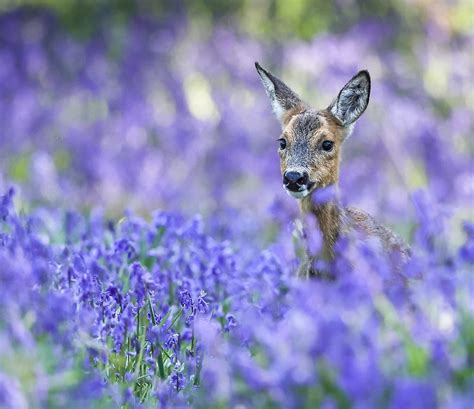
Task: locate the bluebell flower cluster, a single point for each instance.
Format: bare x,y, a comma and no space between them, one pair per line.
187,319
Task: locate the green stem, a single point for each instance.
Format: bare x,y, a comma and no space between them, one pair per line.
161,366
197,378
152,311
178,315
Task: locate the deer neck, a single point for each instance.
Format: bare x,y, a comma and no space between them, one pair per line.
329,218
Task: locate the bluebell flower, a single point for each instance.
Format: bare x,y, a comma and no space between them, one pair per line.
185,299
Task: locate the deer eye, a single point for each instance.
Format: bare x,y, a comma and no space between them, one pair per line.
282,143
327,145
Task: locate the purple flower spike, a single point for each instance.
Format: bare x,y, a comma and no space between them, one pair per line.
185,299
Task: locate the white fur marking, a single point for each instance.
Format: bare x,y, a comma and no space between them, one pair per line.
298,195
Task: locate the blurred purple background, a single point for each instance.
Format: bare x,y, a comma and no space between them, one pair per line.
148,113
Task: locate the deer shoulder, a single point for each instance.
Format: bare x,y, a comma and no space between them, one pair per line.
364,223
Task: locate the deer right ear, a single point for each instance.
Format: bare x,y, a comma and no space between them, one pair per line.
282,98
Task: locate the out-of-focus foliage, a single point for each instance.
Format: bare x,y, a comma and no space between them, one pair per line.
109,105
274,19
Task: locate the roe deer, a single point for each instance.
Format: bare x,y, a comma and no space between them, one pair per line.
310,146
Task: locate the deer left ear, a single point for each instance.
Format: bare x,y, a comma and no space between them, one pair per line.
283,99
353,99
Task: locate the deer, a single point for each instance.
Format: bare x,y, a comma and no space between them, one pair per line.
310,152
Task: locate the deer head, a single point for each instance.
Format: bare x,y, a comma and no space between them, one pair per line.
310,143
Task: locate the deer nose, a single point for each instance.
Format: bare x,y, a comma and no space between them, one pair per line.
295,180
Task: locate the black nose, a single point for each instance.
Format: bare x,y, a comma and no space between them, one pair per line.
295,180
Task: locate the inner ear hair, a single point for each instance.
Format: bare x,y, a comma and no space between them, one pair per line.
353,99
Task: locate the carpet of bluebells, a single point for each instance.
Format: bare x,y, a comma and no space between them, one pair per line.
107,302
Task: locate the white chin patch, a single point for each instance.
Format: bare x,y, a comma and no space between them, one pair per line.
298,195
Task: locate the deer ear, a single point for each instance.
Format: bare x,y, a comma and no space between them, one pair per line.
353,99
282,98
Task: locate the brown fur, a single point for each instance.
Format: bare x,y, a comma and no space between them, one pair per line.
288,115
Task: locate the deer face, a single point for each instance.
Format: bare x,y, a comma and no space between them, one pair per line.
310,143
309,152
